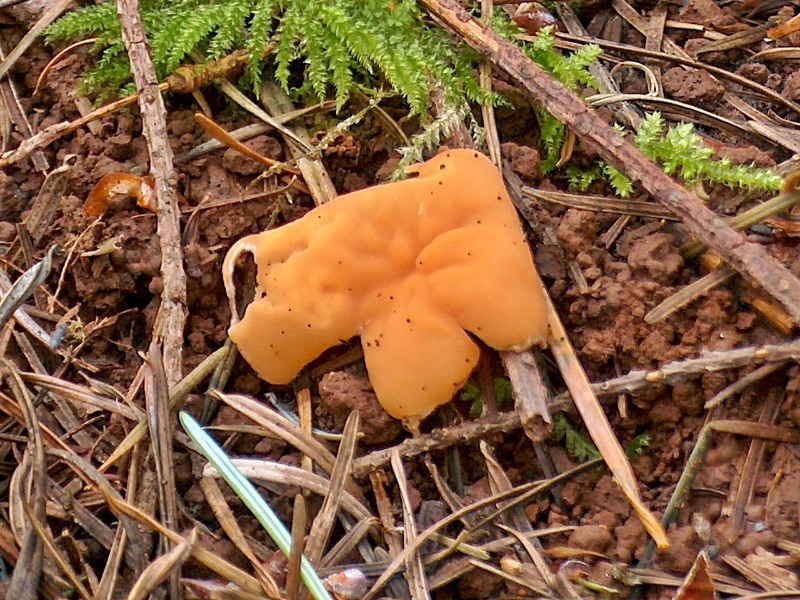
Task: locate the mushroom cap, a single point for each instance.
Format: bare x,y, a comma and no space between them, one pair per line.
413,267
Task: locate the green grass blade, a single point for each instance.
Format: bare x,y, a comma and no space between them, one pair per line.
253,500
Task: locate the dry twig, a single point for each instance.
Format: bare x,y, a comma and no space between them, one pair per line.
172,313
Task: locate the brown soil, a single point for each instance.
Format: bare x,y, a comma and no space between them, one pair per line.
111,276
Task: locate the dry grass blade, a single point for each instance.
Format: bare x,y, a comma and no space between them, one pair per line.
11,408
777,135
214,563
514,496
516,572
557,582
347,543
735,40
162,426
25,320
792,53
13,112
48,16
218,133
28,569
499,482
178,393
765,580
89,521
415,573
596,422
681,58
53,63
294,590
690,293
752,463
111,573
242,100
617,206
322,526
208,589
451,499
316,177
86,471
785,28
749,217
43,210
24,287
265,471
164,566
280,427
230,526
673,107
58,557
303,400
252,130
742,383
393,541
81,394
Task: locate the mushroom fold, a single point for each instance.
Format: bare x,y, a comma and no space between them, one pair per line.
413,267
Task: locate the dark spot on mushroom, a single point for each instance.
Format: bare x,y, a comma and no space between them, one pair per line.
377,343
476,155
408,320
308,325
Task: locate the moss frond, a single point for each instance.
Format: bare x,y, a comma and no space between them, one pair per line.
681,152
576,443
338,43
431,136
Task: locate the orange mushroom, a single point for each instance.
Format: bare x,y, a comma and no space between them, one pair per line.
141,188
411,267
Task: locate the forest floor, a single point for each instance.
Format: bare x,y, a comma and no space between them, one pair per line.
103,294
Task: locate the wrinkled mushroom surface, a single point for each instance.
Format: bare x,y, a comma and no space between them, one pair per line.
411,267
